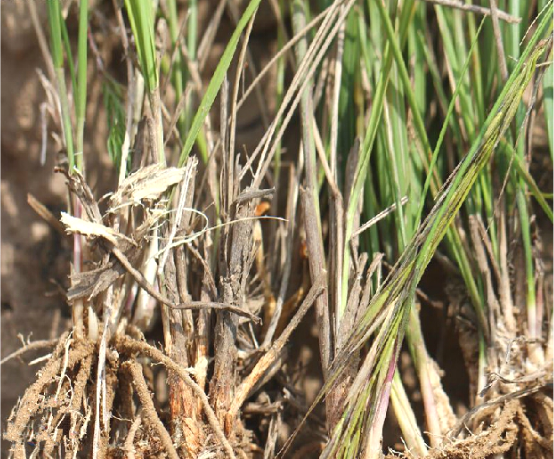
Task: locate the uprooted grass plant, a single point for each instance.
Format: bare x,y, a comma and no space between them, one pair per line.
413,146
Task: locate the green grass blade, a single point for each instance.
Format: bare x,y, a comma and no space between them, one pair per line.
366,148
56,46
529,180
216,81
81,89
142,24
446,123
548,96
54,19
548,104
69,60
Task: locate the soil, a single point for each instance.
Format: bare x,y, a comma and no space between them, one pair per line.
33,264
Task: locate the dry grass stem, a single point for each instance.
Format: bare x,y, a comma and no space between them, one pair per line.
477,10
271,355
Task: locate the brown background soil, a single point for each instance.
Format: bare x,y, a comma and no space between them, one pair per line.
31,252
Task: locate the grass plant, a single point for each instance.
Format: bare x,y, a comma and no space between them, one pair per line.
412,149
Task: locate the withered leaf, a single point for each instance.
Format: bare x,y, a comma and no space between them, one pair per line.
91,283
147,183
91,229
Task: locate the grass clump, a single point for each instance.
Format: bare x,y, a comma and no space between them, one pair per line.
411,149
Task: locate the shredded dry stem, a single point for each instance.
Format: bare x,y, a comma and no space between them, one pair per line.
94,394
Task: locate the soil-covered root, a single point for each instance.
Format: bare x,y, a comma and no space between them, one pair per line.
63,411
55,405
521,423
130,347
499,437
